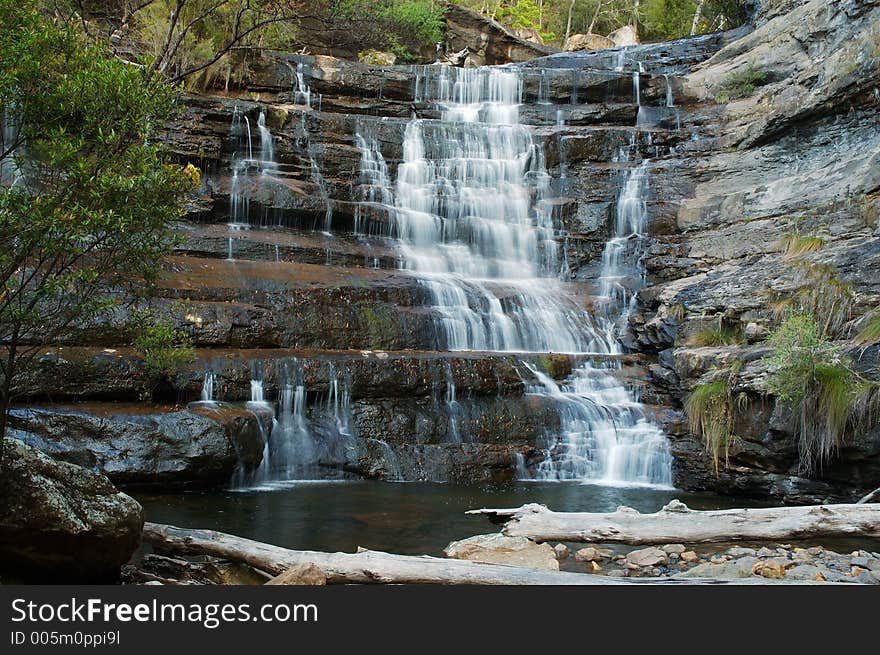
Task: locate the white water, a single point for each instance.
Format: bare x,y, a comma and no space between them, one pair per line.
300,441
208,387
471,221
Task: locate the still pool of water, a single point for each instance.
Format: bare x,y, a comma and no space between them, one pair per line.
408,518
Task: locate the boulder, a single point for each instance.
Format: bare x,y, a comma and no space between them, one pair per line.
690,557
488,41
592,554
63,523
501,549
772,568
587,42
625,36
729,570
647,557
202,445
529,34
301,575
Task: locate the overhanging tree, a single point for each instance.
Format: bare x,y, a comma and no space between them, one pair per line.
86,196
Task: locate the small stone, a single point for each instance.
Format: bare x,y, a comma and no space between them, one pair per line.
834,576
647,557
855,553
717,559
865,577
856,571
595,567
771,569
766,552
669,549
633,567
690,556
562,551
302,575
588,554
815,550
673,557
785,546
804,559
736,551
656,572
806,572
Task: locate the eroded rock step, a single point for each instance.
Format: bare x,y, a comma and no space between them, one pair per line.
453,417
81,373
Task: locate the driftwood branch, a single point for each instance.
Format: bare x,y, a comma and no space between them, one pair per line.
871,497
676,523
370,567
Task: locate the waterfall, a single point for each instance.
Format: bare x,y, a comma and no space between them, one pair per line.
471,220
302,94
302,442
605,436
670,98
240,134
208,387
453,409
267,147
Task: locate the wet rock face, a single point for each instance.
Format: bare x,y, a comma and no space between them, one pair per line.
59,521
197,447
763,461
795,152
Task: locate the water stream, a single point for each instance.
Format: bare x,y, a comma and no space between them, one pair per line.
471,221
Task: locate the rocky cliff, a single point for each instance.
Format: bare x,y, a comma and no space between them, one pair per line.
288,275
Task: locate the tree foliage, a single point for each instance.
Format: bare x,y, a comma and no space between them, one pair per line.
657,20
86,195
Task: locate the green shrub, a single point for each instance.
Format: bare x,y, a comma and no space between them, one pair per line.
719,336
829,399
869,329
741,84
166,350
794,245
712,409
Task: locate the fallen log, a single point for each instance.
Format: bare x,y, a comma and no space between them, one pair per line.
676,523
871,497
370,567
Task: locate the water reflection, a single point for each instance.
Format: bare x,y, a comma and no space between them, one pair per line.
407,518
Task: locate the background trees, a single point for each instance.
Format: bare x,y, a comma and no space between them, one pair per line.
85,196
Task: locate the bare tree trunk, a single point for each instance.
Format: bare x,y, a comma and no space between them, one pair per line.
675,523
568,23
698,14
372,567
596,14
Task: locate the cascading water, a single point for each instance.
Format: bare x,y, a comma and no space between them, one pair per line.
471,221
472,224
208,387
302,441
605,435
267,147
